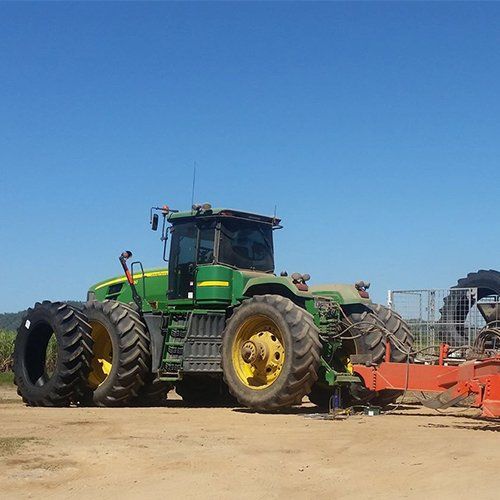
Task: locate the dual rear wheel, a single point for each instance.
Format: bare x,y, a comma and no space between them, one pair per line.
99,356
121,357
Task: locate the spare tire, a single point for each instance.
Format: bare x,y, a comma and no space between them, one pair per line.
121,357
457,305
64,382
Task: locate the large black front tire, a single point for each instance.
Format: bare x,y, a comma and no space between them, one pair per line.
74,350
301,353
130,355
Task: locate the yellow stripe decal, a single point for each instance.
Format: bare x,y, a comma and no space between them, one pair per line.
213,283
150,274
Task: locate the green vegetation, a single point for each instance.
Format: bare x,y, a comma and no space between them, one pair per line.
9,322
6,360
6,378
6,350
7,339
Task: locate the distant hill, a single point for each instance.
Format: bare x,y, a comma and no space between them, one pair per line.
11,321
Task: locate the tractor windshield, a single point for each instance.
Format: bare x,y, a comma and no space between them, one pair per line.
246,244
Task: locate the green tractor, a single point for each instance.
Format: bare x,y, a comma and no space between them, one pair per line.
218,325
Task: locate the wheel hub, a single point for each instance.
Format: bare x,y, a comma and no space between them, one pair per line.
249,352
261,356
254,350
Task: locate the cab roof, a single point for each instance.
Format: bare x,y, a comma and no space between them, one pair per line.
174,217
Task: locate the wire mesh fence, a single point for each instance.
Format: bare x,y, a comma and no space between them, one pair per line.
448,315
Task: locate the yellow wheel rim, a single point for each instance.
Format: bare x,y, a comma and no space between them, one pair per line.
102,356
258,352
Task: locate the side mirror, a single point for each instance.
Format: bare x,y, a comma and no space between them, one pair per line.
154,222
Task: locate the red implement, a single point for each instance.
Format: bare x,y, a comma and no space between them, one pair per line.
452,383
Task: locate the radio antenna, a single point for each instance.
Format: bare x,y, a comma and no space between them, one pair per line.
194,183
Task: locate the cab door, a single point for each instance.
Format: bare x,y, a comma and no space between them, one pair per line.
182,262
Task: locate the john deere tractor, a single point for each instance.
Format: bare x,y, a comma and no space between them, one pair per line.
218,325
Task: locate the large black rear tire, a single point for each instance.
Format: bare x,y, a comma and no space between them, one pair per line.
401,340
374,326
291,340
397,332
364,328
121,357
363,336
74,350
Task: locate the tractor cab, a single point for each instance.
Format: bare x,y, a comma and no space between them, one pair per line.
214,237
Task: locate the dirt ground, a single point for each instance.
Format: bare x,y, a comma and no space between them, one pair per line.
179,452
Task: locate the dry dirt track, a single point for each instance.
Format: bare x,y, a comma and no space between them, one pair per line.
178,452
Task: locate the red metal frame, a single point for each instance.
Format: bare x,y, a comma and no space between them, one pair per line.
478,377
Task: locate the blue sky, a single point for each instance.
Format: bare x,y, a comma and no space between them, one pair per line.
373,127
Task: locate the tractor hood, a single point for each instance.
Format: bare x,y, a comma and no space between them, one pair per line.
151,285
341,293
148,273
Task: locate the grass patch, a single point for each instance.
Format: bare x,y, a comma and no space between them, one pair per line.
7,339
6,378
9,445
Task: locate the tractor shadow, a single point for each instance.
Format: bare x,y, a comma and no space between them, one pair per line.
179,403
295,410
436,420
479,425
308,411
444,420
448,420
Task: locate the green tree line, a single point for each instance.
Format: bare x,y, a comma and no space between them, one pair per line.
12,321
